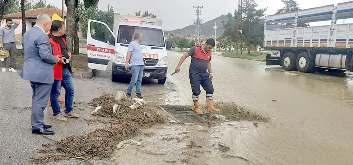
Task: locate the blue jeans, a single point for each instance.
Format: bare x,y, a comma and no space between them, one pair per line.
54,96
136,78
68,85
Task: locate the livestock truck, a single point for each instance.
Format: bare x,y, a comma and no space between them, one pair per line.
110,46
309,39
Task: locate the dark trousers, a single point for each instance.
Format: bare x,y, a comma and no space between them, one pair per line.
40,97
201,79
68,85
11,60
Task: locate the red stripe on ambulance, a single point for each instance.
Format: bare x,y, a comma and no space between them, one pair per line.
99,49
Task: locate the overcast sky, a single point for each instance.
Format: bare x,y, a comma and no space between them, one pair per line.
179,13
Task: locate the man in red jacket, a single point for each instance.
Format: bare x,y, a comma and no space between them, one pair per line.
200,74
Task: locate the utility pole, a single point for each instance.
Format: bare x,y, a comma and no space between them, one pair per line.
198,21
240,9
23,16
62,9
215,34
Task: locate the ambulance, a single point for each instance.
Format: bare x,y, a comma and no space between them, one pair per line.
106,46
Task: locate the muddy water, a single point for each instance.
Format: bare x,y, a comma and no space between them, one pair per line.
311,114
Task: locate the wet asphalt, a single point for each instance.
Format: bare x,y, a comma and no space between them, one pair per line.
18,145
311,114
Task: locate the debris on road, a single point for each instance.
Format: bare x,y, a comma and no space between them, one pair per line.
125,143
228,112
223,147
235,112
95,112
124,123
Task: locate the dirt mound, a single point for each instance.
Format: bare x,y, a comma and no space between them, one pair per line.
124,123
235,112
143,116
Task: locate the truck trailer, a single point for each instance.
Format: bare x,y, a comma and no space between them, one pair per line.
312,38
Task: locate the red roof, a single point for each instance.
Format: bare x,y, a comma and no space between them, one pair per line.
32,14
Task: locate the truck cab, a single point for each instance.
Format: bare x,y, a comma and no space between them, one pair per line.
105,46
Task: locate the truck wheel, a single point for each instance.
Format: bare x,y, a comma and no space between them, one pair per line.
289,61
162,81
305,63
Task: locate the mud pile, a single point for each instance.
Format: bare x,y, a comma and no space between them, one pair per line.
228,111
123,123
143,116
236,112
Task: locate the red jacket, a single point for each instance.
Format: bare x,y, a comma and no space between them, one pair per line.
58,68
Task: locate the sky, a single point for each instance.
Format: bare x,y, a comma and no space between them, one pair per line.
180,13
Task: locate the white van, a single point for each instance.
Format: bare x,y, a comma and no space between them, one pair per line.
105,46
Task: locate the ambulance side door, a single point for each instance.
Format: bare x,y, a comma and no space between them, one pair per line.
100,45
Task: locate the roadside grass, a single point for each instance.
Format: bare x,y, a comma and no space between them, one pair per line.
255,56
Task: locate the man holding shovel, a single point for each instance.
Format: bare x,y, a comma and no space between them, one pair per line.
200,74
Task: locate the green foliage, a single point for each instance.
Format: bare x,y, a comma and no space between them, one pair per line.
145,14
12,6
40,4
90,3
181,43
289,6
94,13
245,28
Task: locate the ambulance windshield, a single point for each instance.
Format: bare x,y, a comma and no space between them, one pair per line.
151,37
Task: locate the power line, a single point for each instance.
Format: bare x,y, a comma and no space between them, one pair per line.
198,12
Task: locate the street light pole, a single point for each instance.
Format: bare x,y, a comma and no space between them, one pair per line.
215,34
198,21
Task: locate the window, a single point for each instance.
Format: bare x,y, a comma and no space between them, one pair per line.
101,33
151,37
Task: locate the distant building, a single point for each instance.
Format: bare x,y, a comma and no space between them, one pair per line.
31,16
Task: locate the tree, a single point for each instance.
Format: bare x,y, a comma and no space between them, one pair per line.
2,7
90,3
245,27
72,25
12,6
253,25
23,13
232,29
289,6
39,4
145,14
94,13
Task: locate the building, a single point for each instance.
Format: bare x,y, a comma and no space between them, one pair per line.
31,16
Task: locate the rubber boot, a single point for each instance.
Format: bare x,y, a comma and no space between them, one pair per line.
211,107
197,108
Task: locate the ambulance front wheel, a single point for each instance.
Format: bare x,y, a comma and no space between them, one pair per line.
162,81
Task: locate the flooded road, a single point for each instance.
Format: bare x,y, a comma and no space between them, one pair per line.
311,118
311,114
